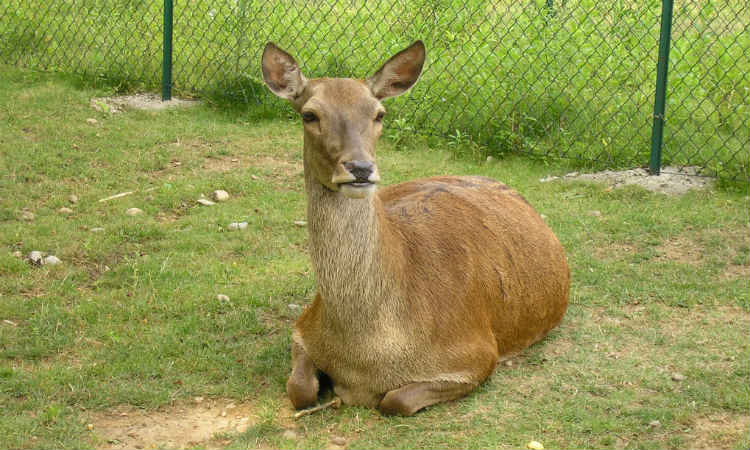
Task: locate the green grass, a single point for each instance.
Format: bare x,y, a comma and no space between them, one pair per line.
660,285
511,76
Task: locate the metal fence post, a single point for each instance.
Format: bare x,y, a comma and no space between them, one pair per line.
657,131
166,65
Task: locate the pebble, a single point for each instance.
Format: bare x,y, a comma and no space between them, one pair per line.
237,226
300,223
678,376
293,306
96,230
254,177
92,121
338,440
222,298
27,215
289,434
220,195
654,423
65,210
36,257
134,211
52,260
73,198
535,445
205,202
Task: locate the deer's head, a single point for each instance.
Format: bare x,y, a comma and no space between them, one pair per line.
342,117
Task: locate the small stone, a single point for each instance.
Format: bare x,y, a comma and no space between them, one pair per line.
220,196
234,160
678,376
254,177
36,257
300,223
205,202
134,211
289,434
96,230
508,363
65,210
73,198
293,306
654,423
595,213
92,121
222,298
27,216
338,440
237,226
223,414
535,445
52,260
90,426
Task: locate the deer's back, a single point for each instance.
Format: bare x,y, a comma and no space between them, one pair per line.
487,260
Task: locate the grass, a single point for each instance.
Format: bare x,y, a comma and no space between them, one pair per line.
131,317
578,83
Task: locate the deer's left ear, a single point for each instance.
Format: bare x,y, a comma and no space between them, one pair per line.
281,73
400,73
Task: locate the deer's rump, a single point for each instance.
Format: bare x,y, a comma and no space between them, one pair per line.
506,270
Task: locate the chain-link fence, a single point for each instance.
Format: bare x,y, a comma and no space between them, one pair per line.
557,78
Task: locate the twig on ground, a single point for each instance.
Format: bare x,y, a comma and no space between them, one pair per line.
112,197
335,403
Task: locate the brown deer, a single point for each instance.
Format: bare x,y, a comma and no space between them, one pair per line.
422,286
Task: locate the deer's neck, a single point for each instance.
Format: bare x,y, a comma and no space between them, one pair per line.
346,251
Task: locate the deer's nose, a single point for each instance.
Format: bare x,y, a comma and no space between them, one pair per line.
362,170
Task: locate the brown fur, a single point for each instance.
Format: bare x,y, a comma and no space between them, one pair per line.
423,286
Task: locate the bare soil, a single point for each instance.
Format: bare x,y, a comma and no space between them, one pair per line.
145,101
672,180
174,427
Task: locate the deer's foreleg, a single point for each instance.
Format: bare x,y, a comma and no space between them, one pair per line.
303,384
409,399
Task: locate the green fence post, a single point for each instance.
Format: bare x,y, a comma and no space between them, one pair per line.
166,65
550,4
657,131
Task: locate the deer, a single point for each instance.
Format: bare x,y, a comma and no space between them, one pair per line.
423,287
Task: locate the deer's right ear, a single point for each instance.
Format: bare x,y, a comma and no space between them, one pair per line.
281,73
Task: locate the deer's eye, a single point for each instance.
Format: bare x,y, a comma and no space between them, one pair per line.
308,117
379,117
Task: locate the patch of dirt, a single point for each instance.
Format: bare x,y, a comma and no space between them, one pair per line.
734,271
719,431
174,427
680,250
617,250
672,180
279,166
145,101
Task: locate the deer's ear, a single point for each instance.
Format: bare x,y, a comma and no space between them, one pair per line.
400,73
281,72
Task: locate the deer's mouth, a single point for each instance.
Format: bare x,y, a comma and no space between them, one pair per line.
357,189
